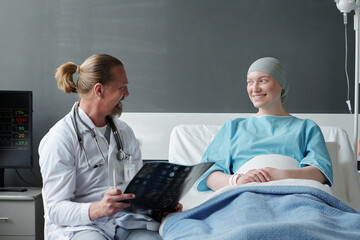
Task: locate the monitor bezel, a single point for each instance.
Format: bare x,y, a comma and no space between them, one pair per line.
25,159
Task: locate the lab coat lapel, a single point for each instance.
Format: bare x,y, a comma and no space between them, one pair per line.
114,165
112,147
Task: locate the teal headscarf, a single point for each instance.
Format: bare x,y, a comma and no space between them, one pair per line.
273,67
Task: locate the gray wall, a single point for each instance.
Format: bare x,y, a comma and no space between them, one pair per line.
180,55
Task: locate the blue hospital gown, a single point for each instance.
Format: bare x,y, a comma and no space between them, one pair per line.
242,139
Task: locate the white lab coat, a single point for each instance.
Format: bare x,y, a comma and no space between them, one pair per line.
70,185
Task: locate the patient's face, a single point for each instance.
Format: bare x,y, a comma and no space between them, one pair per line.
264,91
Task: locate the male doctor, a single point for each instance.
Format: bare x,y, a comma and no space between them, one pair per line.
89,156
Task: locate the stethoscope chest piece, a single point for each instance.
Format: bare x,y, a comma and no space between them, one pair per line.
120,155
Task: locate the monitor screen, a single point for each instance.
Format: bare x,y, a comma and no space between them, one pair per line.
15,129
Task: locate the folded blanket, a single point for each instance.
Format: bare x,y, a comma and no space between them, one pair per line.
267,212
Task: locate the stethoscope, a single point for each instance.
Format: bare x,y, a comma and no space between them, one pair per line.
121,155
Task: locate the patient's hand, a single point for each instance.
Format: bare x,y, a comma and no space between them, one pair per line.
276,174
264,175
254,175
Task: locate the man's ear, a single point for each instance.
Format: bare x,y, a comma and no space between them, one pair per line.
99,90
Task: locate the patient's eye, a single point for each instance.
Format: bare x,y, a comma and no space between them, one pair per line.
263,80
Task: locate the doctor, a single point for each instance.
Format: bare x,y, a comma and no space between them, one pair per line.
89,151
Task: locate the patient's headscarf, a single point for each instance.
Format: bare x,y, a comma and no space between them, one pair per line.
273,67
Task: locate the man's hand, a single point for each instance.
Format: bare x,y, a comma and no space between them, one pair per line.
159,215
178,209
109,205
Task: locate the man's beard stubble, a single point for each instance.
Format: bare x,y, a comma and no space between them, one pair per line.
117,111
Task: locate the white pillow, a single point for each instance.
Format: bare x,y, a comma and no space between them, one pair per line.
188,143
270,160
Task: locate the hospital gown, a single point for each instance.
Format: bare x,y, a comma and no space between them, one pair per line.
242,139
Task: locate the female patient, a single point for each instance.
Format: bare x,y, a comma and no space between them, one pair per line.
271,130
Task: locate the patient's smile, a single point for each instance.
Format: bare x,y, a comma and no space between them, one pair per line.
259,96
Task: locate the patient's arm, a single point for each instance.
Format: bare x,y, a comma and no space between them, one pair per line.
308,172
217,179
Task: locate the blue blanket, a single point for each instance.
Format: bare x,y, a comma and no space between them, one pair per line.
267,212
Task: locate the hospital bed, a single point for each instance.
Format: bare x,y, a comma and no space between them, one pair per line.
285,209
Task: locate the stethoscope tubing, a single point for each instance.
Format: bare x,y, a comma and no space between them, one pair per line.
121,154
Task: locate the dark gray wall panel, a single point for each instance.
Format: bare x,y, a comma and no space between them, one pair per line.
180,55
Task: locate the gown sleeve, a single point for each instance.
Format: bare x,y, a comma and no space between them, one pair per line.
316,153
218,151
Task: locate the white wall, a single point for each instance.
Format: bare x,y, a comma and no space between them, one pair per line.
153,129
